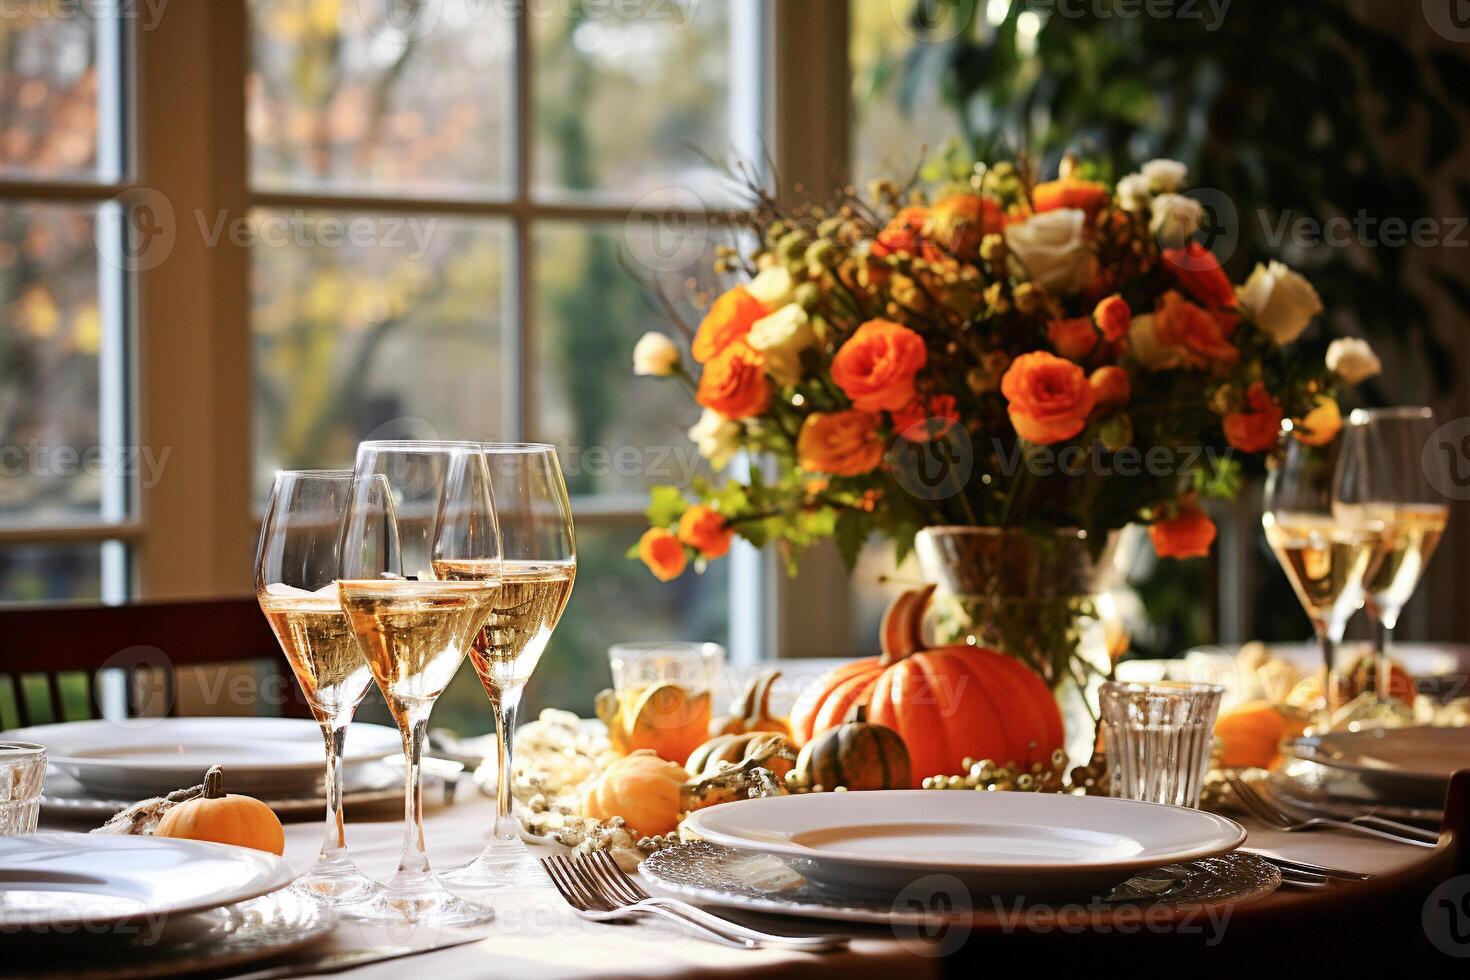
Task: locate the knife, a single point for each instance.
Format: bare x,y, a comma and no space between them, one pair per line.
349,959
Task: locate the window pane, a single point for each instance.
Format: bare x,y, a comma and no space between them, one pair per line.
375,97
371,325
48,93
894,117
50,573
52,468
618,433
628,97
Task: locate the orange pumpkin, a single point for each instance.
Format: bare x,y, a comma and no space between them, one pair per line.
1251,735
751,712
947,703
224,818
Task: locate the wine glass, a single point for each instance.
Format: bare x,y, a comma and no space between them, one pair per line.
1326,556
540,563
1383,476
295,582
415,508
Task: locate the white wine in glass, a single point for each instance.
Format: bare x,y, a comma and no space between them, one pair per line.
1326,556
295,571
539,565
413,503
1386,475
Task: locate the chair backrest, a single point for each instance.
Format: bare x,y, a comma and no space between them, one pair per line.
144,640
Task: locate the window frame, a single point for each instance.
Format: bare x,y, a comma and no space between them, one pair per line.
189,373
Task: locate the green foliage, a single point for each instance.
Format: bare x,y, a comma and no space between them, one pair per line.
1301,111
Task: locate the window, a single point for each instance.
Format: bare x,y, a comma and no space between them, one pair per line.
68,475
446,204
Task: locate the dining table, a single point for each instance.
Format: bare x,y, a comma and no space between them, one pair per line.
535,934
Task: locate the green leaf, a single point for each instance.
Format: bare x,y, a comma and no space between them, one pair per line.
665,506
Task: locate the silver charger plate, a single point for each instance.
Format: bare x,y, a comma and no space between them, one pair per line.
714,874
222,938
1339,793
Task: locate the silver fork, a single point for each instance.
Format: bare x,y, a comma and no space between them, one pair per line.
1270,813
598,890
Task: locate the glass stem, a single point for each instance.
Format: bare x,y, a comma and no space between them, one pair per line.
505,729
1377,671
1327,644
1382,645
334,843
415,858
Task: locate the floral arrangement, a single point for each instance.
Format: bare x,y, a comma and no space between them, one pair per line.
1066,349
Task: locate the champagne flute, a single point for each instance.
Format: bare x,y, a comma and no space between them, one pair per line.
1383,476
295,583
1325,558
414,627
539,565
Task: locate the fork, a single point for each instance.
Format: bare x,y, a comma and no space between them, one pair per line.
1271,813
600,891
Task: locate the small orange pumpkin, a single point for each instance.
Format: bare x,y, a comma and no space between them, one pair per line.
224,818
946,703
1251,735
751,712
642,789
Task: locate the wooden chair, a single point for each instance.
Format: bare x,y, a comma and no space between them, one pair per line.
147,641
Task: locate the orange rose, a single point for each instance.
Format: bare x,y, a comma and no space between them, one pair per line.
663,553
728,320
1255,429
706,531
840,443
1112,317
1069,192
1049,397
1188,534
877,364
959,222
1110,386
900,235
1198,271
1074,338
1202,337
734,383
920,420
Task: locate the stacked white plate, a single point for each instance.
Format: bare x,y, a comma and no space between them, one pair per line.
121,905
1409,766
132,759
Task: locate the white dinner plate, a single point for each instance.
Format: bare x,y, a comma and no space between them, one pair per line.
136,758
56,881
1414,762
1034,843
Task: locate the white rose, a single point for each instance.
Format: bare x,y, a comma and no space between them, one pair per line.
655,354
1165,176
781,337
1175,218
1352,359
1133,193
1280,301
1145,345
772,287
717,437
1052,250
